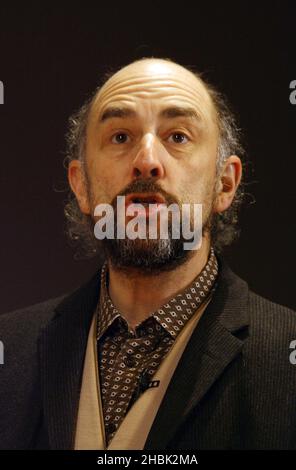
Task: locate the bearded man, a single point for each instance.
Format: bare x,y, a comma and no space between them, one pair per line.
165,347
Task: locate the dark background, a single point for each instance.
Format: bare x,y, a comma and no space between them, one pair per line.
51,58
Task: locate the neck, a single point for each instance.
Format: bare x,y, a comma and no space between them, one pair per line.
137,295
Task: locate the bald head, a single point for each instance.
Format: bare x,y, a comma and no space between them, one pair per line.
154,67
147,77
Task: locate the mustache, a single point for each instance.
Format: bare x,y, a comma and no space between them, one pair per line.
146,185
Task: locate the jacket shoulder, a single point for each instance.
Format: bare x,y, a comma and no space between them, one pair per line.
269,344
272,317
29,319
20,330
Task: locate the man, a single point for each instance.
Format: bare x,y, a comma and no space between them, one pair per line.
165,347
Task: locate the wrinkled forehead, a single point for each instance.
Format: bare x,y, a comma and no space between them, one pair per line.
157,83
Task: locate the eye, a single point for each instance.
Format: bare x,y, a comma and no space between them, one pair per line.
120,138
178,138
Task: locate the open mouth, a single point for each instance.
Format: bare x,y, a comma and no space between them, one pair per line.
145,204
144,199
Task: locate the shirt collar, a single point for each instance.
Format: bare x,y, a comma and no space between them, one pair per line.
173,315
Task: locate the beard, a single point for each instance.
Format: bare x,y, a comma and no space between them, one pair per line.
147,256
150,256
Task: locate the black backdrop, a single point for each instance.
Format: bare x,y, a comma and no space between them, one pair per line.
50,60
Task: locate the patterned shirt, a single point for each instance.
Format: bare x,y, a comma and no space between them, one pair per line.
128,359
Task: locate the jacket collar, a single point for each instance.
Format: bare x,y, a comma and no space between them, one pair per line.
62,348
217,340
212,346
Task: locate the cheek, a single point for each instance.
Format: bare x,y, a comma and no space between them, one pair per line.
98,172
105,182
197,186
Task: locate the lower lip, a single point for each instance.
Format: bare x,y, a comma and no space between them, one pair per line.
139,210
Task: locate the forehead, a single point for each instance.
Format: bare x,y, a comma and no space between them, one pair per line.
152,85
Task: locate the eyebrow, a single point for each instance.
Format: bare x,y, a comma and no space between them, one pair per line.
110,113
171,112
178,111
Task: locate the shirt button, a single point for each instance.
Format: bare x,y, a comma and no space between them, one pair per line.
130,361
110,428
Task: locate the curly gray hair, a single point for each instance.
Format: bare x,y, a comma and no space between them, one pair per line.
223,226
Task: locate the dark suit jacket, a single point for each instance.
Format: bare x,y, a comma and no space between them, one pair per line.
234,387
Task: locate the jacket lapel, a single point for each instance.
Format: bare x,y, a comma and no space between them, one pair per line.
212,346
62,349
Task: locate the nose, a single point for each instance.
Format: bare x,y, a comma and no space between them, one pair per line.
147,162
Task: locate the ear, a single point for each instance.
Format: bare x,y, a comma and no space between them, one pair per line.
228,182
78,185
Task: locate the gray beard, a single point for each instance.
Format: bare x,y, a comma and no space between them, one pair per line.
149,256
